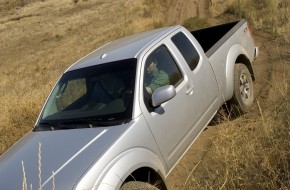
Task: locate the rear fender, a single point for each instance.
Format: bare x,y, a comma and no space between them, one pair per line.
236,54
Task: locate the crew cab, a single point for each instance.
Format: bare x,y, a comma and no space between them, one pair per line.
125,114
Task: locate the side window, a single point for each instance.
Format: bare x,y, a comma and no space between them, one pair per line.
160,70
187,50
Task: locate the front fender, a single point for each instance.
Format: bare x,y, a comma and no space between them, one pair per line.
233,54
116,172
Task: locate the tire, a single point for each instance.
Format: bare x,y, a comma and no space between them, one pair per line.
243,96
138,185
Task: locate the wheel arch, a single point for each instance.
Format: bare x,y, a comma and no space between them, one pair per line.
123,168
147,175
236,54
244,59
132,164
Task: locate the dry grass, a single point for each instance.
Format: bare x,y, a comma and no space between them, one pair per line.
271,15
40,39
195,23
253,151
249,154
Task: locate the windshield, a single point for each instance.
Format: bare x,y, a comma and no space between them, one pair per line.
99,93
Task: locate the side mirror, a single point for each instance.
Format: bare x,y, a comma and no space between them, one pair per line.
162,94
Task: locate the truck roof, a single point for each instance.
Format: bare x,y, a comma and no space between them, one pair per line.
124,48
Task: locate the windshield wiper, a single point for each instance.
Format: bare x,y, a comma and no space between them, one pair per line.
95,122
44,126
75,124
61,125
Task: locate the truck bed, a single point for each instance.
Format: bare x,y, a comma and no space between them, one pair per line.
212,38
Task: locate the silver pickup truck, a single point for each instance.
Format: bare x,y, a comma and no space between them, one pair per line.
125,114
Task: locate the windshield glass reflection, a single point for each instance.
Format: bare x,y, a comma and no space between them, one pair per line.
100,93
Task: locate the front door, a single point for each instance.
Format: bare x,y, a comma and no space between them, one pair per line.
171,123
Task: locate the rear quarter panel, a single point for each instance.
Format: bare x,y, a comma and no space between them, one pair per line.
224,58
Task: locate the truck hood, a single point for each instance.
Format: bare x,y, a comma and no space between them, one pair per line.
66,153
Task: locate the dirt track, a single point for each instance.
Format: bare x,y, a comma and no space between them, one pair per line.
185,9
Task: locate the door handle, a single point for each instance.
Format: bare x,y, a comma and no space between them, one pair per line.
189,89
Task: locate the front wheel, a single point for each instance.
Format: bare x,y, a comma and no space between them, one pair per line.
138,185
243,97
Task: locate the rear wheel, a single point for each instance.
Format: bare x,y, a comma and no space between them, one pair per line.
138,185
243,97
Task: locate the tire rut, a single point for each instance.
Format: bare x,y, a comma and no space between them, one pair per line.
182,10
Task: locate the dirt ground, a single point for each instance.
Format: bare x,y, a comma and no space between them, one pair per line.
47,35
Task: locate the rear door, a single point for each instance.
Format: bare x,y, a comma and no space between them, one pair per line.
201,75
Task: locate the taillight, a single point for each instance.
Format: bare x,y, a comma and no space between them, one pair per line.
249,30
251,34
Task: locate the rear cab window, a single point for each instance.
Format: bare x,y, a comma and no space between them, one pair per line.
186,49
